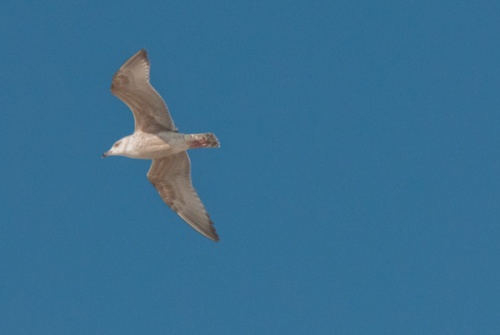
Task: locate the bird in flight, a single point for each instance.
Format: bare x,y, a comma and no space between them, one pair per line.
155,137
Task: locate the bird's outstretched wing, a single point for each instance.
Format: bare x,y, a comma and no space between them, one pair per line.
171,176
131,85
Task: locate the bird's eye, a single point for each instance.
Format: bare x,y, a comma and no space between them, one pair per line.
117,145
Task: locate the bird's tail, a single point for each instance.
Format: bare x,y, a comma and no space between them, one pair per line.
207,140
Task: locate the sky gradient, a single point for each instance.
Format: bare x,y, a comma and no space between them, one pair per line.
356,190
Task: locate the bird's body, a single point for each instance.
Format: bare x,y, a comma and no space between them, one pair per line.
155,137
152,146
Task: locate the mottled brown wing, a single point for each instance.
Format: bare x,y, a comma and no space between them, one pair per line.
131,85
171,176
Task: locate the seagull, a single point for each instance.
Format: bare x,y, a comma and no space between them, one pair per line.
155,137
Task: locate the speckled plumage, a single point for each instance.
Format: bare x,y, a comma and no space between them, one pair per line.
155,137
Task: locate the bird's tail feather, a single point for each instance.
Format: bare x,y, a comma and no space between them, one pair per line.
207,140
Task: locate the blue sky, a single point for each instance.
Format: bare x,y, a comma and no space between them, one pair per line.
356,190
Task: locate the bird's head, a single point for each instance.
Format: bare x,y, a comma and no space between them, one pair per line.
118,149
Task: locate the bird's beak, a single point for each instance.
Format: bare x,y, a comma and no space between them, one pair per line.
104,155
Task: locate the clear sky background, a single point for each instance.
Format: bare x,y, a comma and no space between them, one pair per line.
356,190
